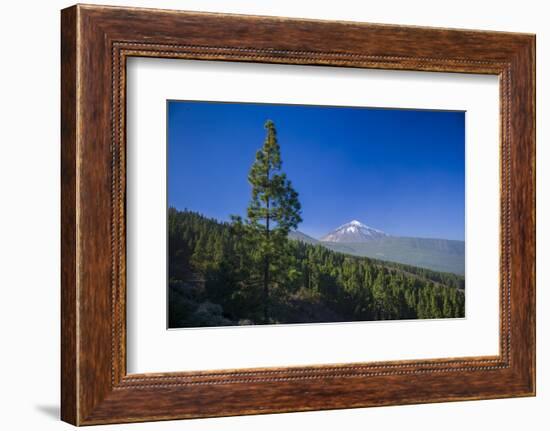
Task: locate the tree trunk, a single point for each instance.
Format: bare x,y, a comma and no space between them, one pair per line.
266,270
266,290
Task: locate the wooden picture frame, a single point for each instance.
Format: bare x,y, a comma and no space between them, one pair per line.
95,43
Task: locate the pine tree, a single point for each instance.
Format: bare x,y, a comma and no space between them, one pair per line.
274,210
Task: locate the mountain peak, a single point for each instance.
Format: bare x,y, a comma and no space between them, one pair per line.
353,231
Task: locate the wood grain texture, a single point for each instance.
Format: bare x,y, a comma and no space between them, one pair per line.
69,366
96,41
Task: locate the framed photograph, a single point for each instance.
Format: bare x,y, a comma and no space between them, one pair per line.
265,215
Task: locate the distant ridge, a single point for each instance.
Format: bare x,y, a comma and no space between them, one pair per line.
436,254
300,236
358,239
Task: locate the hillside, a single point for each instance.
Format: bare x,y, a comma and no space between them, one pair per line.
359,239
300,236
213,282
436,254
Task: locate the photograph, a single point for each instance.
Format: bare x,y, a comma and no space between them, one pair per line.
301,214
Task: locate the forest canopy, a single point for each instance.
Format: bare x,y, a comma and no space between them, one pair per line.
213,281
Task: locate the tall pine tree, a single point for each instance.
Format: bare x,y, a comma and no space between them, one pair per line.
273,211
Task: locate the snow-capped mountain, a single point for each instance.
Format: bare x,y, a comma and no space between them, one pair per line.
357,239
354,231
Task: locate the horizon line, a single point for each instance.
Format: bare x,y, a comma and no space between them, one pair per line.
333,229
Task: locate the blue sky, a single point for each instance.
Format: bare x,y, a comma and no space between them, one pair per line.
401,171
